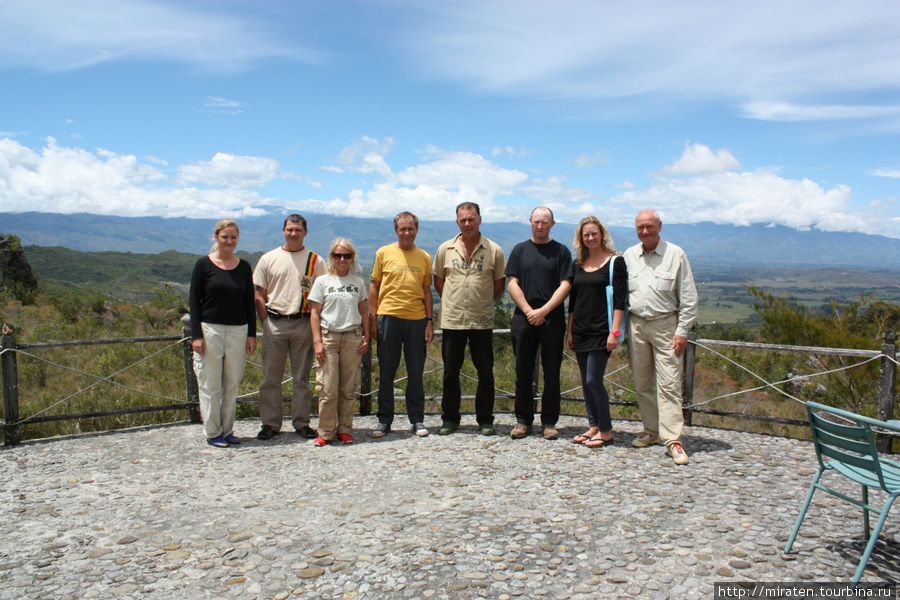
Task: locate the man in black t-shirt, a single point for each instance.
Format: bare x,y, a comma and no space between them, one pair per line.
540,277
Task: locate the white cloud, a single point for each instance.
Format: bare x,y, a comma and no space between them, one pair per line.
69,180
786,111
509,151
218,104
583,161
754,197
63,35
698,159
230,171
733,52
365,155
887,172
431,189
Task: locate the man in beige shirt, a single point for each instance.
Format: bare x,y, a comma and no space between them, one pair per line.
662,309
468,276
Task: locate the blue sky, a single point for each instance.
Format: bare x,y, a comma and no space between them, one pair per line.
730,112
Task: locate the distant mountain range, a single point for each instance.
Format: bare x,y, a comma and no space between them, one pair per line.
707,244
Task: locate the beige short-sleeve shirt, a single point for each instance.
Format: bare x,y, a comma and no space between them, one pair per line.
467,300
287,278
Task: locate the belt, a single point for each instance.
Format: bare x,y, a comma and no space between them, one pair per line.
278,315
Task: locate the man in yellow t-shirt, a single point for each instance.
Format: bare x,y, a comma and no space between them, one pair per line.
400,310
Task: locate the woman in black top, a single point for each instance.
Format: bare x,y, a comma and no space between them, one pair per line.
589,334
223,327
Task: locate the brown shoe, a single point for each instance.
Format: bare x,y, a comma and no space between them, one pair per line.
520,431
550,432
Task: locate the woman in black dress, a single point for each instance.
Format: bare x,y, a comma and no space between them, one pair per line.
223,327
589,334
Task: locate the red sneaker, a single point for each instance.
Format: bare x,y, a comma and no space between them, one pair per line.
320,441
346,438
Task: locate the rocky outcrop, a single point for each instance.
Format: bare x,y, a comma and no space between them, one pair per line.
16,276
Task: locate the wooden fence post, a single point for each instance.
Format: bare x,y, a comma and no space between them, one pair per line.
687,393
365,383
886,385
190,378
11,434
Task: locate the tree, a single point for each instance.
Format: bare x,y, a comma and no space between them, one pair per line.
859,324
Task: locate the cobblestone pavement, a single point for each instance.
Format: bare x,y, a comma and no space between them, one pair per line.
157,513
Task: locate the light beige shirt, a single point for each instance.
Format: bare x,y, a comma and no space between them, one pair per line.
467,301
661,283
287,278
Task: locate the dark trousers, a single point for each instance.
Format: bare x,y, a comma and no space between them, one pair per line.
592,366
394,335
481,347
527,339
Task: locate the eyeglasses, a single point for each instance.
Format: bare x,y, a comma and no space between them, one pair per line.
341,256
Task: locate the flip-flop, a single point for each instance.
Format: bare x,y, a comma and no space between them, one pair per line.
597,442
580,438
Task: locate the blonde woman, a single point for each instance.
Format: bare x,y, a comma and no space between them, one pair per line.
223,327
340,332
589,333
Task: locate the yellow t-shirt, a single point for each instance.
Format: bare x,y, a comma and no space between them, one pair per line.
402,275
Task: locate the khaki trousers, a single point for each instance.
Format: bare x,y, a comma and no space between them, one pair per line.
339,376
219,372
283,338
657,375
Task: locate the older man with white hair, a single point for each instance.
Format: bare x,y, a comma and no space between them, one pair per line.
662,302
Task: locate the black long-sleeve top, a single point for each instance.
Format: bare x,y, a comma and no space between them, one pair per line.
587,304
222,297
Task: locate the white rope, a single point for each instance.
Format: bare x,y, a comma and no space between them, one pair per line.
771,385
107,379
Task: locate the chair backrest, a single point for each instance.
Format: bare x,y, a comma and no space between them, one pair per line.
851,443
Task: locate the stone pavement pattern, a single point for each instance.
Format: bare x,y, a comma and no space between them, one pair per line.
156,513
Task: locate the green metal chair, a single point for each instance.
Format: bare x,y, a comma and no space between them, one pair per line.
851,448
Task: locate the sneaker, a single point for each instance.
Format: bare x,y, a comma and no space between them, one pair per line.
307,432
644,440
218,442
381,430
232,439
345,438
488,430
550,432
520,431
420,429
676,451
447,428
266,433
320,441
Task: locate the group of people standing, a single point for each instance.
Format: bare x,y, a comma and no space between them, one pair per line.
314,307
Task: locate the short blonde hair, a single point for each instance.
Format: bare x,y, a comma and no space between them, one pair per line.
343,243
581,251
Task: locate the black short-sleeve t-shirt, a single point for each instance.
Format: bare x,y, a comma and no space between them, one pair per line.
540,268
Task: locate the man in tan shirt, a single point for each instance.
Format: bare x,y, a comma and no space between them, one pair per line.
662,306
283,278
468,276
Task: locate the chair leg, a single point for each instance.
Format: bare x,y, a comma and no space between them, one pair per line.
809,496
874,537
865,499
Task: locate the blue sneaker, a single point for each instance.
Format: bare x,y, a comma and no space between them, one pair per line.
232,439
218,442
